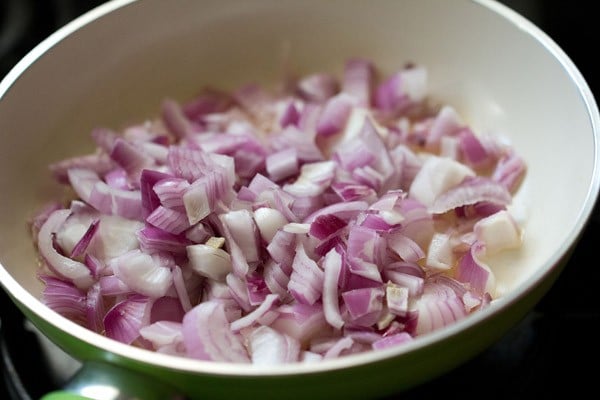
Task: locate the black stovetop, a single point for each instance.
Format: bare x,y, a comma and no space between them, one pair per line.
548,352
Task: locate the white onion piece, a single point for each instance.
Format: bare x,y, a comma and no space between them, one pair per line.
469,192
437,175
268,221
440,254
310,357
197,201
162,333
283,164
397,299
499,232
269,347
74,228
296,228
94,306
332,266
239,264
301,321
446,124
267,305
345,343
75,271
313,180
406,248
141,273
239,291
115,236
317,87
221,292
209,261
241,226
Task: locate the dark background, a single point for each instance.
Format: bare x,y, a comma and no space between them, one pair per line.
554,349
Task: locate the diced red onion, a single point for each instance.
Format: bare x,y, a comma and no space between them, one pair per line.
181,289
332,266
345,343
95,308
269,347
65,298
207,336
73,270
139,272
306,280
317,87
446,124
112,286
328,218
437,175
498,231
85,240
175,119
359,76
150,198
474,272
441,252
392,341
130,158
125,319
169,220
364,305
166,308
510,171
402,89
268,221
471,191
162,333
335,114
300,321
209,261
282,164
267,305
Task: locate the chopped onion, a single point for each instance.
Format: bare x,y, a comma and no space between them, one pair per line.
207,335
337,215
73,270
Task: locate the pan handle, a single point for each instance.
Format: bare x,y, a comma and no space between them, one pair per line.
103,381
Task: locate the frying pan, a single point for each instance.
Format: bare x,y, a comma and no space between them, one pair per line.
114,65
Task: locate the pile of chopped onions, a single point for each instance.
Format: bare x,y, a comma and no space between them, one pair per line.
331,216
